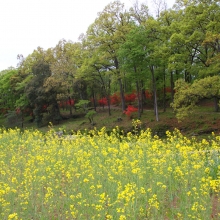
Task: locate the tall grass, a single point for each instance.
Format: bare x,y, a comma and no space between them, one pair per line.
100,176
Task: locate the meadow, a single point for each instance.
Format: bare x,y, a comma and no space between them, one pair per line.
97,175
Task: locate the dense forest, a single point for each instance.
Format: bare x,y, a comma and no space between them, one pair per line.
126,58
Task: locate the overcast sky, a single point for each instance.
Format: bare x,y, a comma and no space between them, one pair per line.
27,24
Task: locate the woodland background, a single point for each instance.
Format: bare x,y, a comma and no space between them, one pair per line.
127,58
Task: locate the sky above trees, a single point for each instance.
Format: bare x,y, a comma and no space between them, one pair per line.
26,24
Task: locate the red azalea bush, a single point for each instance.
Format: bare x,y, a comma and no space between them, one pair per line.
115,99
168,89
130,97
27,111
103,102
70,102
129,110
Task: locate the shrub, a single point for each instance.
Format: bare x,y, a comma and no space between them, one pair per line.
130,109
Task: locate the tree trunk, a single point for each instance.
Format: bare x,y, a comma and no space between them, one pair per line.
122,95
139,102
138,94
22,119
120,85
187,76
93,97
55,112
164,92
108,98
155,93
125,83
216,102
143,97
172,86
71,112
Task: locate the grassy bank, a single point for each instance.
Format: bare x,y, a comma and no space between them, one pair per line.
200,124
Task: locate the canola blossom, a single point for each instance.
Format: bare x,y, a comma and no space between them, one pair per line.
102,176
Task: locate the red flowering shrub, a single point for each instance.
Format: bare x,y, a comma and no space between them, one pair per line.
130,97
115,99
129,110
103,102
168,89
70,102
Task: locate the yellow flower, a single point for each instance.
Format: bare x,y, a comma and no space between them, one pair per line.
142,190
13,216
108,217
85,180
122,217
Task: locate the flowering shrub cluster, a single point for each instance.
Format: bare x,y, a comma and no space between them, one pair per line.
103,102
100,176
69,102
115,99
130,97
130,109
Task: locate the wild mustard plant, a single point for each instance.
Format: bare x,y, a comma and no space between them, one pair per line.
101,176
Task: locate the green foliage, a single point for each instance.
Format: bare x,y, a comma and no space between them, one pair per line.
83,104
124,50
22,102
90,114
8,94
187,95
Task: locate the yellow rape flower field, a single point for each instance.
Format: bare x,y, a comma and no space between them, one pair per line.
102,176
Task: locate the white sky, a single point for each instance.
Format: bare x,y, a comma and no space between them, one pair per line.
27,24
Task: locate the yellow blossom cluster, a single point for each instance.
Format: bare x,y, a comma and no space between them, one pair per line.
108,176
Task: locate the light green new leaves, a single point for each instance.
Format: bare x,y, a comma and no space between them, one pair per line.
187,95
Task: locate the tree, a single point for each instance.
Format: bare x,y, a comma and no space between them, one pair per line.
95,72
187,95
8,95
132,57
159,6
41,89
191,52
66,61
139,13
35,91
107,34
195,40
